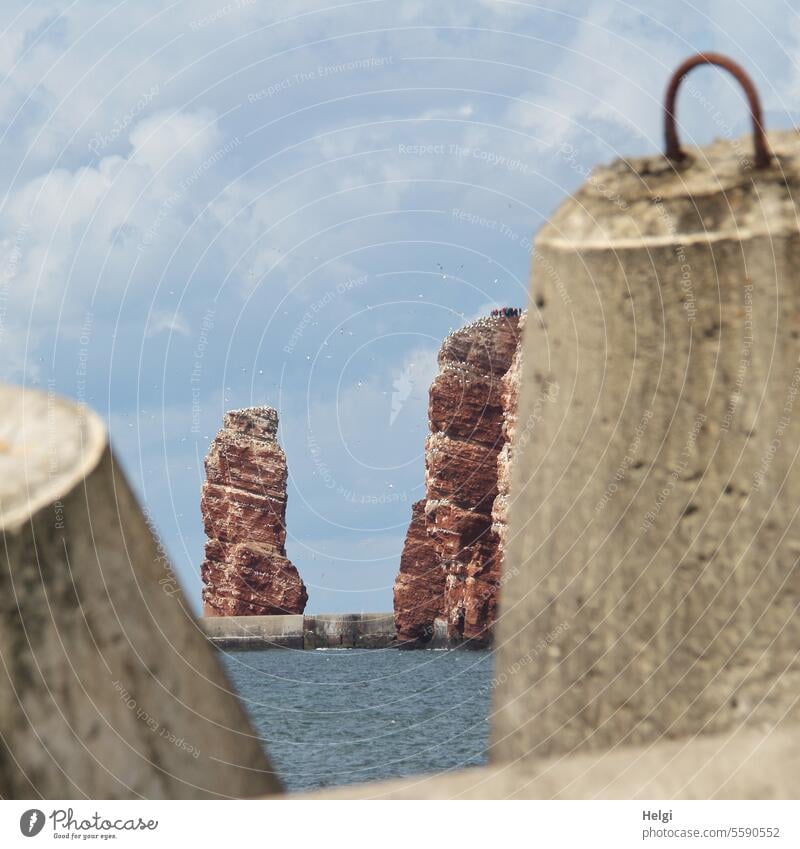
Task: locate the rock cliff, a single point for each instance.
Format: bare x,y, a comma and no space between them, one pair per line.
450,566
246,571
509,397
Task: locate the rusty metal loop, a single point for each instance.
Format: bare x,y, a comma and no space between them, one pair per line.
673,151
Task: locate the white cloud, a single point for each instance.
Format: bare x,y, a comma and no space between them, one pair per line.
177,141
173,323
67,226
412,381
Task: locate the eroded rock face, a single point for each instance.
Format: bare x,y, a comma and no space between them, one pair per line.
509,396
246,571
419,588
450,566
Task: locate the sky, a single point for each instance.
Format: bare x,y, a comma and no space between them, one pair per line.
211,205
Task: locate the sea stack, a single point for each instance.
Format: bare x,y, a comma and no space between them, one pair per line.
450,566
246,571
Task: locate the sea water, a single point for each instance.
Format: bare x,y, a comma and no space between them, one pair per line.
339,716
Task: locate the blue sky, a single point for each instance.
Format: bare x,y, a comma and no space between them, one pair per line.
208,205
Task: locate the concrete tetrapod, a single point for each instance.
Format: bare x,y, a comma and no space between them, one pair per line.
107,689
654,533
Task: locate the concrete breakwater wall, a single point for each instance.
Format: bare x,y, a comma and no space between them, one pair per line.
329,630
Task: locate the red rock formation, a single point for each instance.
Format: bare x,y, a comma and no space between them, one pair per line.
450,566
246,571
509,397
419,589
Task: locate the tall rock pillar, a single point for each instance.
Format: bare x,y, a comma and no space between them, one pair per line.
246,571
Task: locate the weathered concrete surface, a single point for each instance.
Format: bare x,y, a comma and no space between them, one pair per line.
326,630
107,687
255,631
739,765
349,630
652,565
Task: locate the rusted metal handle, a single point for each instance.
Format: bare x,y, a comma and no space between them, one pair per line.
674,152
